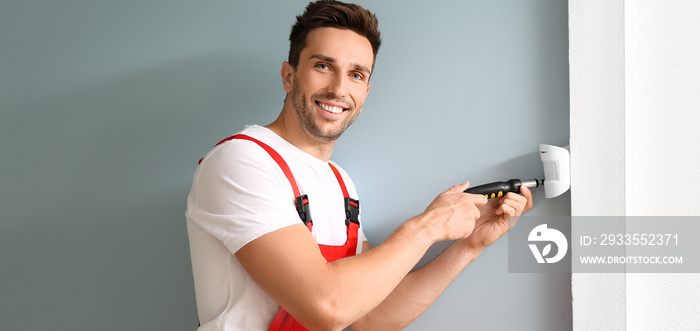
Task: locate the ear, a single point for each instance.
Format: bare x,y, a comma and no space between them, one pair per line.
287,73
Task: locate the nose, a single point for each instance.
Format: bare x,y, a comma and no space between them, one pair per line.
337,85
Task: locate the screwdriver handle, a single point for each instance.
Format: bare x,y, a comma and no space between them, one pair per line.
496,189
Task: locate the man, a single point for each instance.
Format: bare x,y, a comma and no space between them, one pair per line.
274,225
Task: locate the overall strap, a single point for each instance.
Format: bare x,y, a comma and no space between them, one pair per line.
275,156
301,201
352,206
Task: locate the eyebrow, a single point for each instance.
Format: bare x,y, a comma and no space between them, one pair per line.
329,59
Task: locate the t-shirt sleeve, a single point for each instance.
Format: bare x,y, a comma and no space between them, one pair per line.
239,193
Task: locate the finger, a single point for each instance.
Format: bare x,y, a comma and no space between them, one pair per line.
518,205
479,200
516,197
507,210
458,188
527,193
462,187
517,201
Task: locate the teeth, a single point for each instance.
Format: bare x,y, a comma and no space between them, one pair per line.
334,110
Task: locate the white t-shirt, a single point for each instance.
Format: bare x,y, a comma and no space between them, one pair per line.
238,194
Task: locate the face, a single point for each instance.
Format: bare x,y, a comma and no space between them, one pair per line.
331,81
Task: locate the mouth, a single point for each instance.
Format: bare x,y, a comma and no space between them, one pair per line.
334,109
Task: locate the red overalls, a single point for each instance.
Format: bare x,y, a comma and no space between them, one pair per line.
284,321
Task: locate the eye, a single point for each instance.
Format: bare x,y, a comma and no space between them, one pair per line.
358,76
322,66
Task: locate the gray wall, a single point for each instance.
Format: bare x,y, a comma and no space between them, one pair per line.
106,107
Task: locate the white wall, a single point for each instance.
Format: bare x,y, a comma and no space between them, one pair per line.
662,43
597,94
645,81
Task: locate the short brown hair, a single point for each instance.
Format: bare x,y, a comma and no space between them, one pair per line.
336,14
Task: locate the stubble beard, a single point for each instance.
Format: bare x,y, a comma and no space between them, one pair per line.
306,110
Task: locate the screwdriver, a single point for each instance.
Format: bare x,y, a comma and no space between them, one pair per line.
498,189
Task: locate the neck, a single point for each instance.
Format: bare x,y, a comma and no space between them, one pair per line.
288,127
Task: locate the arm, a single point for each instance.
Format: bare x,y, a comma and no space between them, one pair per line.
323,295
420,288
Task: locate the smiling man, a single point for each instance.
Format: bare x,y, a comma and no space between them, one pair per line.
275,228
328,85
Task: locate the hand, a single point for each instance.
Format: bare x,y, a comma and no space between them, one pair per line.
497,217
453,213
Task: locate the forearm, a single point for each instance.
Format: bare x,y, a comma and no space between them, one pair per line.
375,274
323,295
422,287
418,290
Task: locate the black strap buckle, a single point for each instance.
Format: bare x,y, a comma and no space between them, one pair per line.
352,211
302,204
